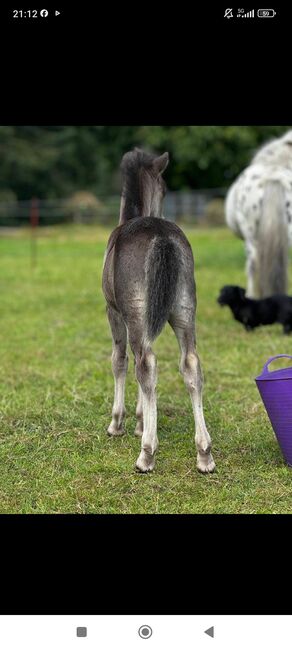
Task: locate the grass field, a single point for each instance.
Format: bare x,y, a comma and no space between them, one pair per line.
56,390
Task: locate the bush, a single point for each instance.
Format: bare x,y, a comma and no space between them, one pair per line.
214,213
84,207
185,219
8,208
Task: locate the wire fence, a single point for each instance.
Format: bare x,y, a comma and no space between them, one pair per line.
192,206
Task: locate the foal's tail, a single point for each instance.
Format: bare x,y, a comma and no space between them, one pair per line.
162,271
273,242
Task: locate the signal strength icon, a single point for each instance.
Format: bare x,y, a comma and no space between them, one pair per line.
250,14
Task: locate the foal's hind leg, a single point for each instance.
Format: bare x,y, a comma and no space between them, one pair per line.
139,413
190,368
139,409
145,364
119,365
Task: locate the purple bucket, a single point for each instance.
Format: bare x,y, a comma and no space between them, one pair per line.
275,389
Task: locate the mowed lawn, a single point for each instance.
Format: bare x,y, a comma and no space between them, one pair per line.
56,390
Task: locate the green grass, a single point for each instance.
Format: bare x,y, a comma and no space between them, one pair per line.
56,390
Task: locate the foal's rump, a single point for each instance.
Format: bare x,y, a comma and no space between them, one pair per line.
150,257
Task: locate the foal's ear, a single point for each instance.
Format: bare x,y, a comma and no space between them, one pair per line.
160,163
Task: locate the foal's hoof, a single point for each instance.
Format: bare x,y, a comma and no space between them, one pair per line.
205,463
145,462
113,431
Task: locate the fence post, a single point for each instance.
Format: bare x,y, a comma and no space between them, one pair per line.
34,222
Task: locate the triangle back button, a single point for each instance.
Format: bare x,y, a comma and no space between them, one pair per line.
210,632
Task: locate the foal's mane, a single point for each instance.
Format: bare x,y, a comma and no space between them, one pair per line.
133,164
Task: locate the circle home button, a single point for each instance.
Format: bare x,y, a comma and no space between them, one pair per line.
145,632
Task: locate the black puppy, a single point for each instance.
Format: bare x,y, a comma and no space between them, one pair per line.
253,313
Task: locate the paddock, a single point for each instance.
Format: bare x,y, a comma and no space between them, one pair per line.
57,386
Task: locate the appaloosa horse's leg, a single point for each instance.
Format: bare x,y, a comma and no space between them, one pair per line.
145,365
252,271
119,365
190,368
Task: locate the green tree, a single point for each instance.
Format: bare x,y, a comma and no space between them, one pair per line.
55,161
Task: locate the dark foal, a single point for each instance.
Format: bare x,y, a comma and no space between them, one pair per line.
148,279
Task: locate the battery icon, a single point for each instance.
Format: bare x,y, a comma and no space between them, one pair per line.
266,13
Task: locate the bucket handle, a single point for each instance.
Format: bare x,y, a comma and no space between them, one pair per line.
273,358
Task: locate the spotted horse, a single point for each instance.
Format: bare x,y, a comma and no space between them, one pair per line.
258,209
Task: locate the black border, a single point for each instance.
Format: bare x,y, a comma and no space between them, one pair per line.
170,564
99,66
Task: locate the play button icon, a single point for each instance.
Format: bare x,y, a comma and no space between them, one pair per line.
57,13
210,632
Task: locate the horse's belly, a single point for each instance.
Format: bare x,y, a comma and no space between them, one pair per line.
245,199
108,279
231,215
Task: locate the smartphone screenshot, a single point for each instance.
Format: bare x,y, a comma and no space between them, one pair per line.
146,318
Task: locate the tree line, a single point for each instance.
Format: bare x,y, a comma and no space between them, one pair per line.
56,161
